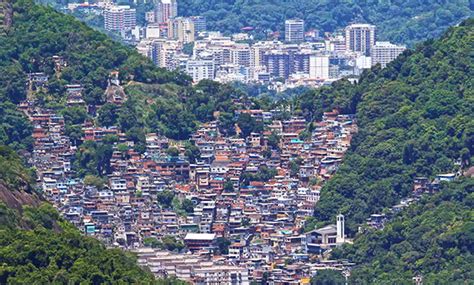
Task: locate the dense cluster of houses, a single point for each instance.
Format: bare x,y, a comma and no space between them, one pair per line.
252,197
200,268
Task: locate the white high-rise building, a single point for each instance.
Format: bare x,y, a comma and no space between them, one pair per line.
385,52
360,38
200,69
319,66
165,10
240,55
120,18
294,30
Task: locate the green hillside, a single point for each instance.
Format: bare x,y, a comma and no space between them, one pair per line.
156,100
402,21
38,33
415,119
432,239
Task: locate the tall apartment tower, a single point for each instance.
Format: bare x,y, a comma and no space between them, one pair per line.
360,38
294,30
299,62
277,64
181,29
240,55
165,10
200,69
120,18
340,235
385,52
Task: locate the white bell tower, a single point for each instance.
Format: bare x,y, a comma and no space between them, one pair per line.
340,228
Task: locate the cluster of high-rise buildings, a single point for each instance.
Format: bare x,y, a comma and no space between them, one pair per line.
301,58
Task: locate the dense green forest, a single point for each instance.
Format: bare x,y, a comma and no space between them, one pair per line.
415,119
39,247
37,34
401,21
433,238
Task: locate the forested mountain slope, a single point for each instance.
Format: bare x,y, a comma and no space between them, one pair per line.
415,119
432,239
401,21
156,100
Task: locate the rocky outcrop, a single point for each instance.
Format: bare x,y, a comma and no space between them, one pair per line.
16,199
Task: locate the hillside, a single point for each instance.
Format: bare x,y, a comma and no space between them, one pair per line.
415,119
39,33
433,239
403,21
36,245
39,247
66,51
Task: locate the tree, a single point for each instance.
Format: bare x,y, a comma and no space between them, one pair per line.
94,158
227,124
187,205
94,96
128,116
192,152
170,243
165,198
328,277
13,83
295,166
75,133
228,186
223,245
108,115
95,181
152,242
74,115
273,141
188,48
15,129
172,152
248,124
